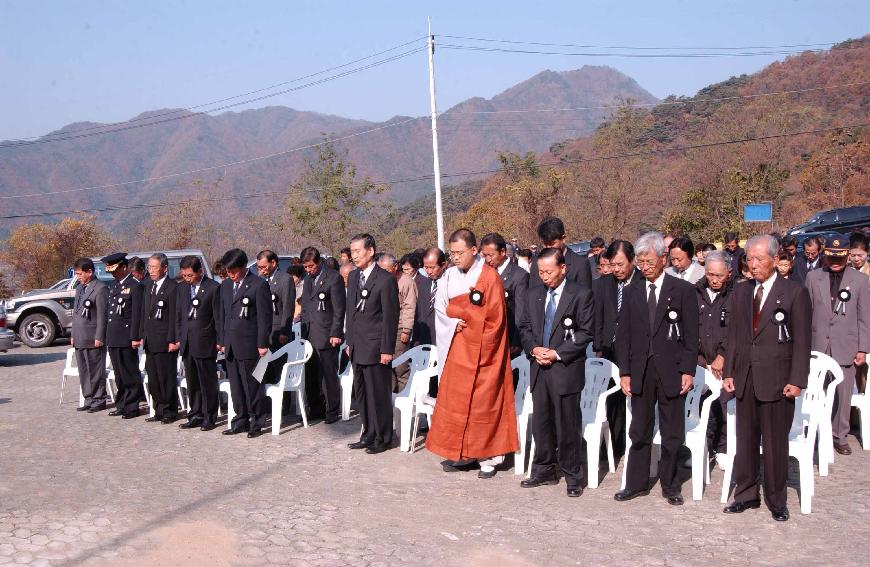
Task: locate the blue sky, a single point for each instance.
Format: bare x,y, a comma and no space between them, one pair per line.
107,61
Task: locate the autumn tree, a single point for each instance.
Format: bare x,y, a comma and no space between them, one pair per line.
41,253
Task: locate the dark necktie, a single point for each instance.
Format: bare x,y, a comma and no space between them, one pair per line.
651,305
756,308
432,292
619,288
154,288
192,292
236,286
836,279
82,295
549,315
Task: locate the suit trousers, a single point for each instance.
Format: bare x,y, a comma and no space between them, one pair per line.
556,424
202,388
375,402
125,363
92,374
249,396
162,369
672,426
767,424
843,405
322,387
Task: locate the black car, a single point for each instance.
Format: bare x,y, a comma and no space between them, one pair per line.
843,220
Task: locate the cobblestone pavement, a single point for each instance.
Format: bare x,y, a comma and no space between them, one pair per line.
88,489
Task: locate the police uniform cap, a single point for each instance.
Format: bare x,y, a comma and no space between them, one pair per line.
112,261
836,245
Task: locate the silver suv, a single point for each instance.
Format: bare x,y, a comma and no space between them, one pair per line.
39,316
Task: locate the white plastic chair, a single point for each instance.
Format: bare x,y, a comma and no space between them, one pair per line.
421,357
727,457
862,403
345,379
70,369
224,388
292,380
181,384
697,418
523,407
593,405
656,451
424,404
142,356
820,365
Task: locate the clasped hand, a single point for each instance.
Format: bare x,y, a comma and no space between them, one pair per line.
544,356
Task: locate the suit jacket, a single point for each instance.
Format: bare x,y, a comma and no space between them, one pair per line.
242,336
424,313
693,274
372,331
125,312
734,258
283,296
516,288
158,333
845,335
636,347
606,315
578,270
714,317
90,328
320,324
773,364
199,337
799,269
566,375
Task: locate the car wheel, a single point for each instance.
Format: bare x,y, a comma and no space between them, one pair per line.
37,330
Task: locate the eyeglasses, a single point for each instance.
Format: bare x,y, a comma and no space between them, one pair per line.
646,263
458,253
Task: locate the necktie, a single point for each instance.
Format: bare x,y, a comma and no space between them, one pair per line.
82,295
432,294
236,288
756,307
619,288
192,292
651,305
154,288
362,280
549,315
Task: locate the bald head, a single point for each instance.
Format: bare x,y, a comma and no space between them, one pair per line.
345,271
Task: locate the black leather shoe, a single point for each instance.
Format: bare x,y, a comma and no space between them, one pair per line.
625,495
232,431
153,419
95,409
130,415
332,419
116,412
843,449
254,433
207,427
780,515
740,507
359,445
192,424
170,419
454,466
486,474
675,500
536,481
377,448
83,408
575,492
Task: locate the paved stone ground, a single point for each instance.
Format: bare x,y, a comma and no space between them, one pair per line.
81,489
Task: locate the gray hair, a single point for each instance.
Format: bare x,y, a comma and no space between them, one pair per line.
764,240
718,256
387,260
160,257
650,242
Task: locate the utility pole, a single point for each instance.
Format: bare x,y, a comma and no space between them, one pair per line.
439,213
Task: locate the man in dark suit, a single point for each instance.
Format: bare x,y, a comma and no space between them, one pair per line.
198,332
323,309
372,323
434,263
731,246
89,335
158,333
597,247
556,327
767,360
657,352
610,292
551,231
283,296
246,307
808,260
493,248
122,328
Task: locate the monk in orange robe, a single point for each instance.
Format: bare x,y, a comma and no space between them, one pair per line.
474,419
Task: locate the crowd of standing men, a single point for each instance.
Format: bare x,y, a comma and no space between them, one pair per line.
656,308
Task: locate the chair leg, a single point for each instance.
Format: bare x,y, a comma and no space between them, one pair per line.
697,474
277,402
865,427
520,455
345,402
608,441
625,462
531,458
593,450
300,400
726,479
415,420
62,384
807,487
404,429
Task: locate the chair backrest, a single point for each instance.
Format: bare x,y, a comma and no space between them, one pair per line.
809,408
692,408
418,358
298,352
419,383
522,394
820,365
71,358
598,375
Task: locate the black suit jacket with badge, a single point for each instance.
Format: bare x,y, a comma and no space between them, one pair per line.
372,321
125,312
572,332
516,287
247,317
283,298
323,308
158,315
198,320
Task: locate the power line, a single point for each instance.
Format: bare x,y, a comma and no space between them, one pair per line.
224,107
642,153
213,167
673,48
702,55
222,100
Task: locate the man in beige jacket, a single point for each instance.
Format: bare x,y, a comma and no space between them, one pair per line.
407,305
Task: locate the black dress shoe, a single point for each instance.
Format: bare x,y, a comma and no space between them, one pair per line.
170,419
191,424
359,445
153,419
740,507
843,449
459,466
332,419
116,412
207,426
377,448
95,409
486,474
625,495
536,481
130,414
254,433
575,492
83,408
232,431
780,515
675,499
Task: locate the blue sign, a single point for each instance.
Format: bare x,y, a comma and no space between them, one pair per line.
758,212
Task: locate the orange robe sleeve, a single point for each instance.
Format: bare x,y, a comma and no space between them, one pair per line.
474,413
